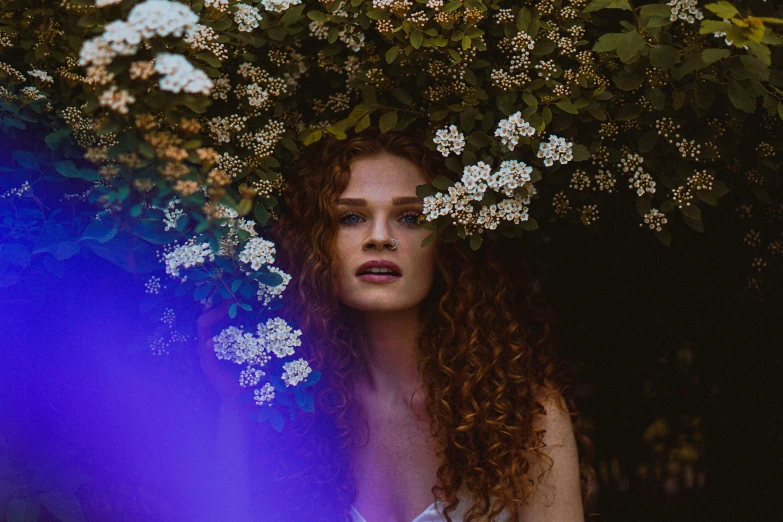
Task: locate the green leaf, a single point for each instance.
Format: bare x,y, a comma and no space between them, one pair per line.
678,100
363,123
657,98
479,139
629,45
392,54
780,110
276,420
664,236
442,182
713,55
26,159
741,98
567,106
643,205
628,81
98,231
317,16
417,37
505,102
664,56
232,310
691,211
695,224
580,152
475,241
388,121
451,6
377,14
277,34
756,66
597,5
723,9
648,141
652,10
429,239
202,291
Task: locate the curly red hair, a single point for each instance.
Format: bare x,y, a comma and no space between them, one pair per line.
488,348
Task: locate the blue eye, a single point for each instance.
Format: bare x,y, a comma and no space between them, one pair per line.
413,218
345,219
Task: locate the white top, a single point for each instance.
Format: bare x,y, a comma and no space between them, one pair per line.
434,513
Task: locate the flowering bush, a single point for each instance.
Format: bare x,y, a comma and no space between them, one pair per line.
179,119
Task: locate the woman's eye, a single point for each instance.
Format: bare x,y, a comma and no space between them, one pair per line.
347,219
412,219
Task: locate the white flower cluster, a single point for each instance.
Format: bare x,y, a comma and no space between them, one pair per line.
187,256
513,128
147,19
104,3
43,76
295,372
152,286
273,337
219,5
247,17
171,214
473,185
449,140
179,75
685,10
258,251
240,347
278,337
278,6
655,220
266,293
116,100
557,149
508,209
250,376
265,394
511,175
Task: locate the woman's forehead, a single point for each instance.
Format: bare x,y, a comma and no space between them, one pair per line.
384,174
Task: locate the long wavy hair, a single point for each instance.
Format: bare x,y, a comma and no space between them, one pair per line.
488,351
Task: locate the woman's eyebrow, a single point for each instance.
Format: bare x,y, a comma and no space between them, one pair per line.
360,202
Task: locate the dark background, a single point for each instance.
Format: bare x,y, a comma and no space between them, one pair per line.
76,391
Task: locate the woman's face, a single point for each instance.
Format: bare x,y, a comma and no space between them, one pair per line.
379,204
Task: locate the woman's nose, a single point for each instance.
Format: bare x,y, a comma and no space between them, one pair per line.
379,236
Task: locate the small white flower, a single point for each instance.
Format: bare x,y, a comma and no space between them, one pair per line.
513,128
278,6
187,256
266,293
179,75
247,17
557,149
295,372
264,395
449,140
258,251
278,337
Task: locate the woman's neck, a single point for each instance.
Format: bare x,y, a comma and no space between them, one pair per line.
390,347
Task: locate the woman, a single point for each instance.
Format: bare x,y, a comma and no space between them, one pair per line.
439,392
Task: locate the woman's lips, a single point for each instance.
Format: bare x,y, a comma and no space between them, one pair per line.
378,278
